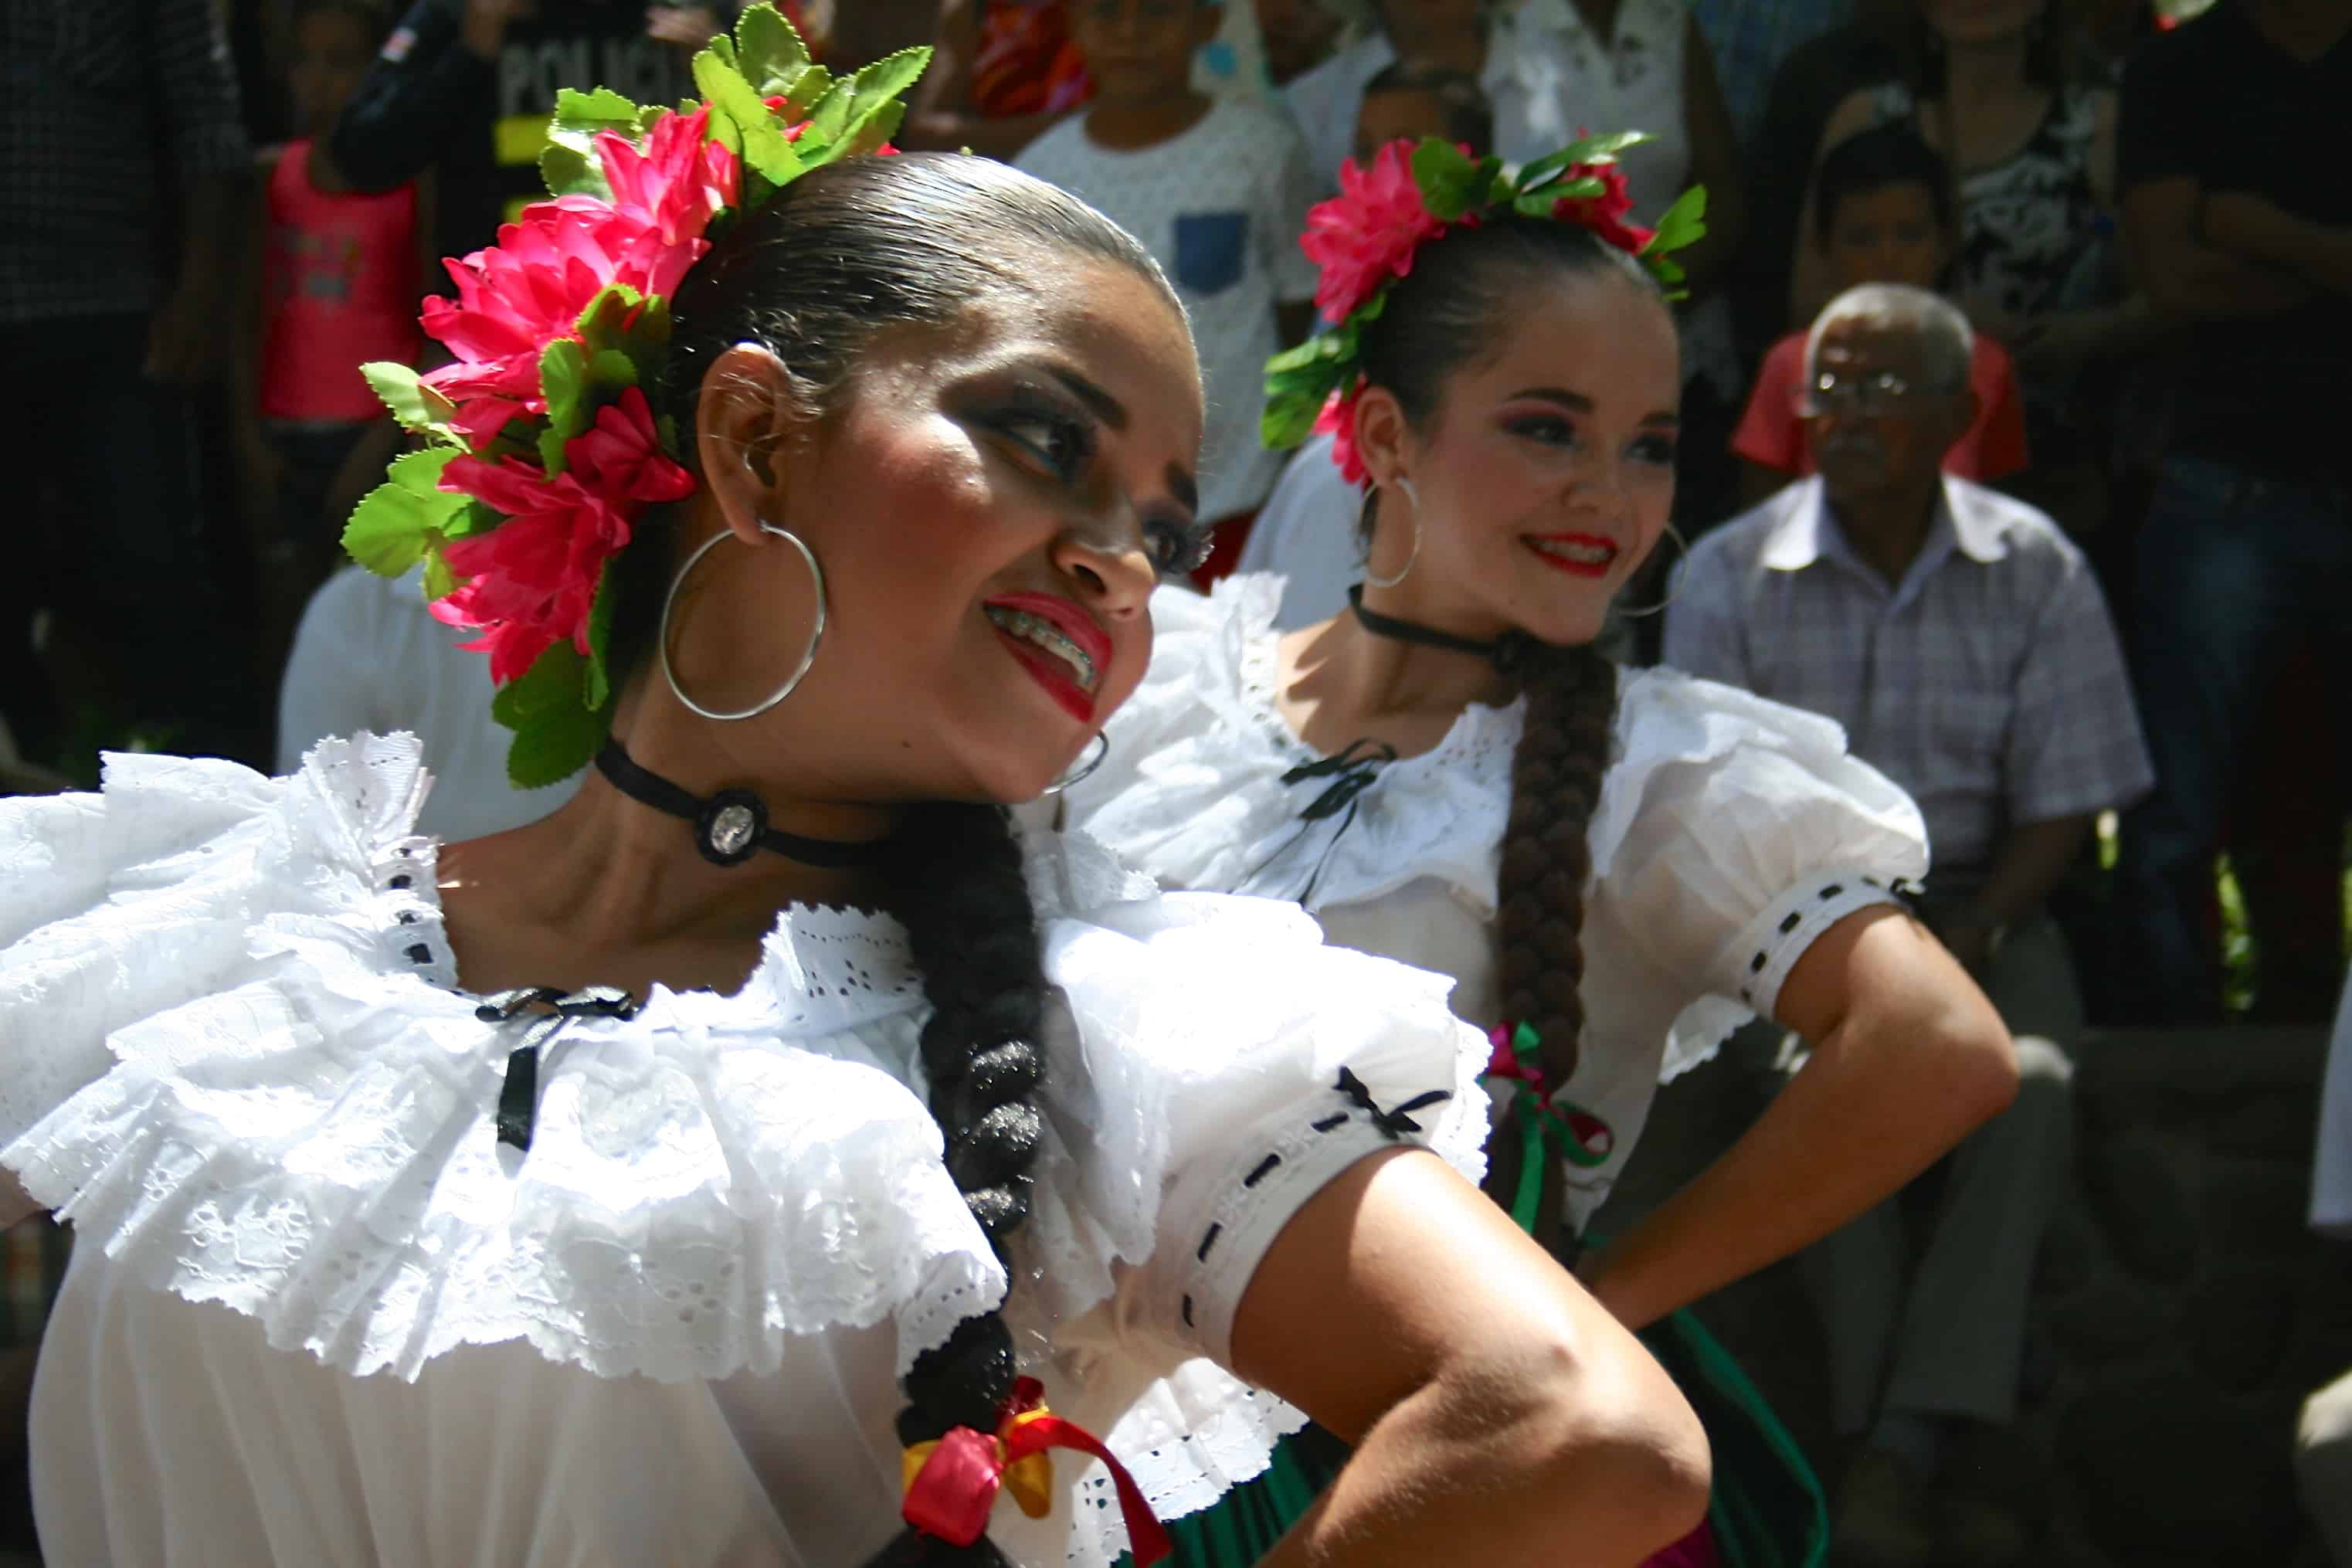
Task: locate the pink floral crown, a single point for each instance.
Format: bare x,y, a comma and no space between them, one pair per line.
1366,238
539,449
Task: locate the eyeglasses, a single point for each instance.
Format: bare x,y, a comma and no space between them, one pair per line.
1882,391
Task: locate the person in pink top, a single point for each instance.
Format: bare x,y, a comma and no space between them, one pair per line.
341,277
1883,209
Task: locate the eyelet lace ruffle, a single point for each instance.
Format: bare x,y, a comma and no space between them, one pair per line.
225,1062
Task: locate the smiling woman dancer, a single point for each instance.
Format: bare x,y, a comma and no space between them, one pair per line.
629,1189
1617,869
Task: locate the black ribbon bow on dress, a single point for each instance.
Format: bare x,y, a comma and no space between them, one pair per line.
519,1098
1351,772
1395,1124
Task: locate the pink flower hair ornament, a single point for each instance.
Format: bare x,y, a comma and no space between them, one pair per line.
1366,238
539,451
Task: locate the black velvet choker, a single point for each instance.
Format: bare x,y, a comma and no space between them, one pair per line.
1507,653
732,825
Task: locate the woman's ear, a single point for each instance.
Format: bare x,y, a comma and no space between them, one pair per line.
747,424
1383,437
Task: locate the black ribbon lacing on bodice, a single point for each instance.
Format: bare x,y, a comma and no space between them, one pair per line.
1351,772
519,1099
1395,1124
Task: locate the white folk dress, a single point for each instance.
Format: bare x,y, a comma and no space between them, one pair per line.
1730,833
318,1314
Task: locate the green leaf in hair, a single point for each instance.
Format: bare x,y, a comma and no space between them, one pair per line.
556,732
1451,181
562,378
769,50
1682,224
413,406
393,525
1585,150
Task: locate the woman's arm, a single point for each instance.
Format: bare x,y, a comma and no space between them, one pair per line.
1499,1416
1908,1058
1715,164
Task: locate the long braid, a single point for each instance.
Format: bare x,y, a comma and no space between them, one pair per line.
957,885
1555,785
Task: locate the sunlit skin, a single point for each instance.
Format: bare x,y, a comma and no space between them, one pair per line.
1041,447
1562,440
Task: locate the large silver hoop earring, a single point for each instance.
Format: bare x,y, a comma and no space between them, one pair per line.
1084,770
1674,583
1412,496
808,655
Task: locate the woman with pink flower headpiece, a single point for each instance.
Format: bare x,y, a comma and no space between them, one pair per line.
1617,869
768,1159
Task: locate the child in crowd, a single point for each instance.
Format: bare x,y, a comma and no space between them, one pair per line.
340,281
1882,210
1216,187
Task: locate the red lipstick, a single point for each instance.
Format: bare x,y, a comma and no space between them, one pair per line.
1051,673
1596,555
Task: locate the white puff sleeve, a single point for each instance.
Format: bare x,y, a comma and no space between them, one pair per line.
1735,832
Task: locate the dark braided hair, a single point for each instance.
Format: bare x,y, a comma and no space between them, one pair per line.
1454,308
837,256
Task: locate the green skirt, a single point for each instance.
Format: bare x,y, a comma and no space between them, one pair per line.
1766,1510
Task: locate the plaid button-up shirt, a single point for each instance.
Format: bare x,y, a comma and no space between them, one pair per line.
1987,682
109,107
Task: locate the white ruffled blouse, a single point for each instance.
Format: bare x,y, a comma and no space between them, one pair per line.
1730,833
317,1313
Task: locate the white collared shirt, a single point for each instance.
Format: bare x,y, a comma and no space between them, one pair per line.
1987,682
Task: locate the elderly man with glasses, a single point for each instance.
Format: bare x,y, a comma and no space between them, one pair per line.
1964,645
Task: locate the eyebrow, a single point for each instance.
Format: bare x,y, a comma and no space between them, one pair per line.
1577,403
1103,406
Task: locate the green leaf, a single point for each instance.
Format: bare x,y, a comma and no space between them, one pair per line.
1451,183
1684,223
563,381
569,171
551,451
478,517
888,79
600,638
755,133
413,404
440,582
807,88
1534,204
830,118
872,129
556,732
1587,150
611,367
769,49
391,528
580,116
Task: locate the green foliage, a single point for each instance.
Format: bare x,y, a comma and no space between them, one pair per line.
556,730
402,518
1451,181
415,406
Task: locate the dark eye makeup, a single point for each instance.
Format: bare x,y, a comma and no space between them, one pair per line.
1052,434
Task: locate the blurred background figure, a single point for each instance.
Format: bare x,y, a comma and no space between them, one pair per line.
1215,187
122,188
1882,213
341,276
2240,222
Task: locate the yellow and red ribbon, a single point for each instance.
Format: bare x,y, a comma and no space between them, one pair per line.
952,1484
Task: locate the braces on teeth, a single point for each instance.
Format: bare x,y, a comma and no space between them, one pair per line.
1043,633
